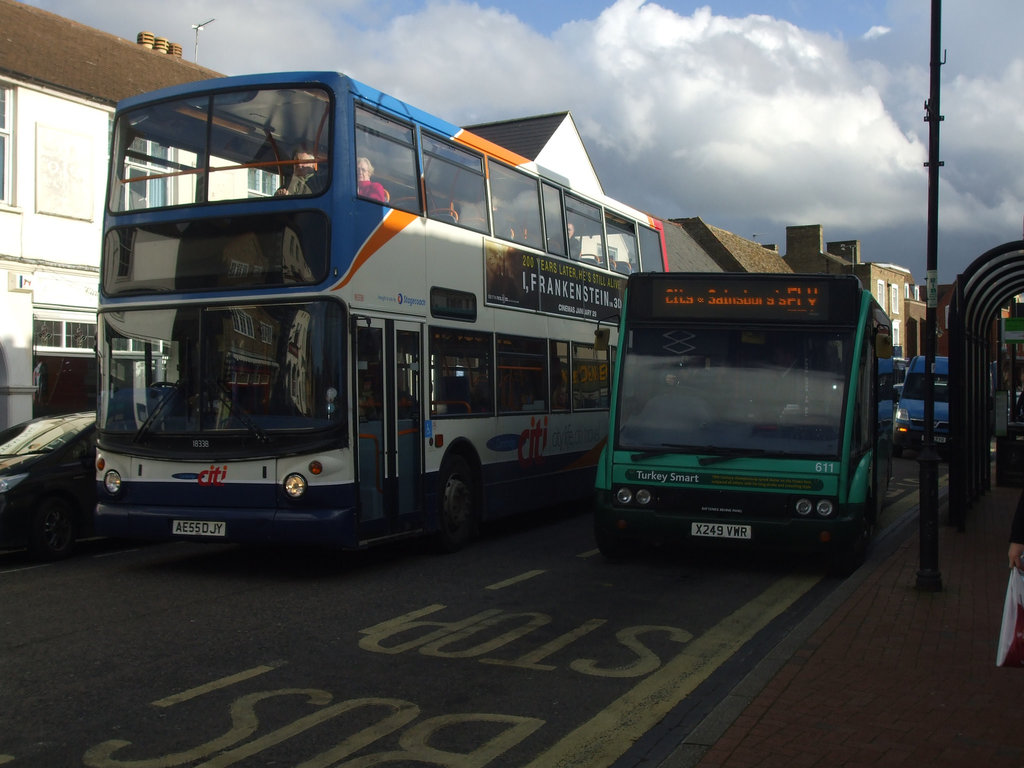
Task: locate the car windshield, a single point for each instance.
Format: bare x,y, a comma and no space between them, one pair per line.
916,384
40,436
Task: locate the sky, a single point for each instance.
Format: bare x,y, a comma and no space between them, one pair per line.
754,115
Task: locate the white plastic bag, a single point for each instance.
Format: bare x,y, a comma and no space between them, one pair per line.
1011,635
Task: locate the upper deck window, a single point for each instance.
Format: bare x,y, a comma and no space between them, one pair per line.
224,146
454,180
386,156
586,235
515,206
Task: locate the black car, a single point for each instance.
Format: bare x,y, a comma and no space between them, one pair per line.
48,483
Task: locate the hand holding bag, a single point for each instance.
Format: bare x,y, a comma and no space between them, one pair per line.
1011,635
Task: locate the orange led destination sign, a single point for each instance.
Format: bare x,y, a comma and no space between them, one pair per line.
748,298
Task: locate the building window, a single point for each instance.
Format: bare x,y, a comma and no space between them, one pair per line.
897,339
5,145
894,299
880,292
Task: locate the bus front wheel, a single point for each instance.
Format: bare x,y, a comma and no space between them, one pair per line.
456,505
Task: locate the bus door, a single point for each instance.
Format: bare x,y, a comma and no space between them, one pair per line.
389,426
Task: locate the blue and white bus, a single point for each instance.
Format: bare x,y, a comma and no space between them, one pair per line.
327,317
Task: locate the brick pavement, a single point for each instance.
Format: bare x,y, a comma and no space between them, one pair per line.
894,676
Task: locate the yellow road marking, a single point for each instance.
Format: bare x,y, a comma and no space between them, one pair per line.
214,685
606,736
515,580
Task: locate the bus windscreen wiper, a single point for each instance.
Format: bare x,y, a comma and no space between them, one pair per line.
729,454
174,389
224,395
643,455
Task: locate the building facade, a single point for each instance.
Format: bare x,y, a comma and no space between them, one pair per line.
59,84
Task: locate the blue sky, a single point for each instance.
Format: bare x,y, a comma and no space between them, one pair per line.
751,114
840,17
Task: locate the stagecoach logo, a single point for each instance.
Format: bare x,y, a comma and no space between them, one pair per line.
403,299
212,476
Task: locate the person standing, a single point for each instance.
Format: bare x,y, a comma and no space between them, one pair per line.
1016,551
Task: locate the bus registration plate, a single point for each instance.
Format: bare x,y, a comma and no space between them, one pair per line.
720,530
198,528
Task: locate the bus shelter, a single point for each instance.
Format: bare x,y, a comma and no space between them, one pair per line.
988,284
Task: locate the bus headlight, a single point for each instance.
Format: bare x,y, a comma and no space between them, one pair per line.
112,482
825,508
624,496
643,496
804,507
295,485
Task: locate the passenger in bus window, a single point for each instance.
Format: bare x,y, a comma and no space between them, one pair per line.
575,242
305,178
368,188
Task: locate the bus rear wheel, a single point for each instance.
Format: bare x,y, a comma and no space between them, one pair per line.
456,505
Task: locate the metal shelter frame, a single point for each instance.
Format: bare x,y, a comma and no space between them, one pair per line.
987,285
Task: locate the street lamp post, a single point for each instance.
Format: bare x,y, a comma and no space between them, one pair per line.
928,576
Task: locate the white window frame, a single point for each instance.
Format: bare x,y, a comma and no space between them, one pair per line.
6,144
894,299
880,292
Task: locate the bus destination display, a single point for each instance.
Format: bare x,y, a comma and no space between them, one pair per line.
750,299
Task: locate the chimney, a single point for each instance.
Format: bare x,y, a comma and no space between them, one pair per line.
846,249
804,241
145,39
160,44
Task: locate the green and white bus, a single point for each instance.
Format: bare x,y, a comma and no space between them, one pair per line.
745,413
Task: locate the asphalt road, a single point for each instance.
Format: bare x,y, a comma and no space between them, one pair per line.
525,649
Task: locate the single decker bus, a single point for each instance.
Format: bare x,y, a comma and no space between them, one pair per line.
746,414
329,318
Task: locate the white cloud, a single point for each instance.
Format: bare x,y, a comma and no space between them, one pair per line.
751,123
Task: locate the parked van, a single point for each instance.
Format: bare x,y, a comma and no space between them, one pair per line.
910,411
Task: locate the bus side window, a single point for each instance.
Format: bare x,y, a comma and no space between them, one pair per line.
454,181
553,220
390,149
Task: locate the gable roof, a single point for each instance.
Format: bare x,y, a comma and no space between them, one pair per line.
732,252
49,50
685,253
525,136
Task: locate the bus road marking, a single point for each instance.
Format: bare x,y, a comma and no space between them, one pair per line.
515,580
606,736
588,553
216,685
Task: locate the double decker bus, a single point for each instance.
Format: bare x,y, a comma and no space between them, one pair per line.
327,317
747,412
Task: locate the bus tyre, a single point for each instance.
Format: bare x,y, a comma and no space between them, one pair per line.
53,532
853,557
612,547
455,505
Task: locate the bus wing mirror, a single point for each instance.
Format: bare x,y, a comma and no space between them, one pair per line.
883,346
601,339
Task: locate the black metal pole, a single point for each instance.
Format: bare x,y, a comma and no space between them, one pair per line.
928,576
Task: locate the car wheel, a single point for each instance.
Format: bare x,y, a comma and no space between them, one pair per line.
456,502
53,530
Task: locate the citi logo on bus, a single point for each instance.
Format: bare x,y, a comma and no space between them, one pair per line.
208,477
529,444
532,442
